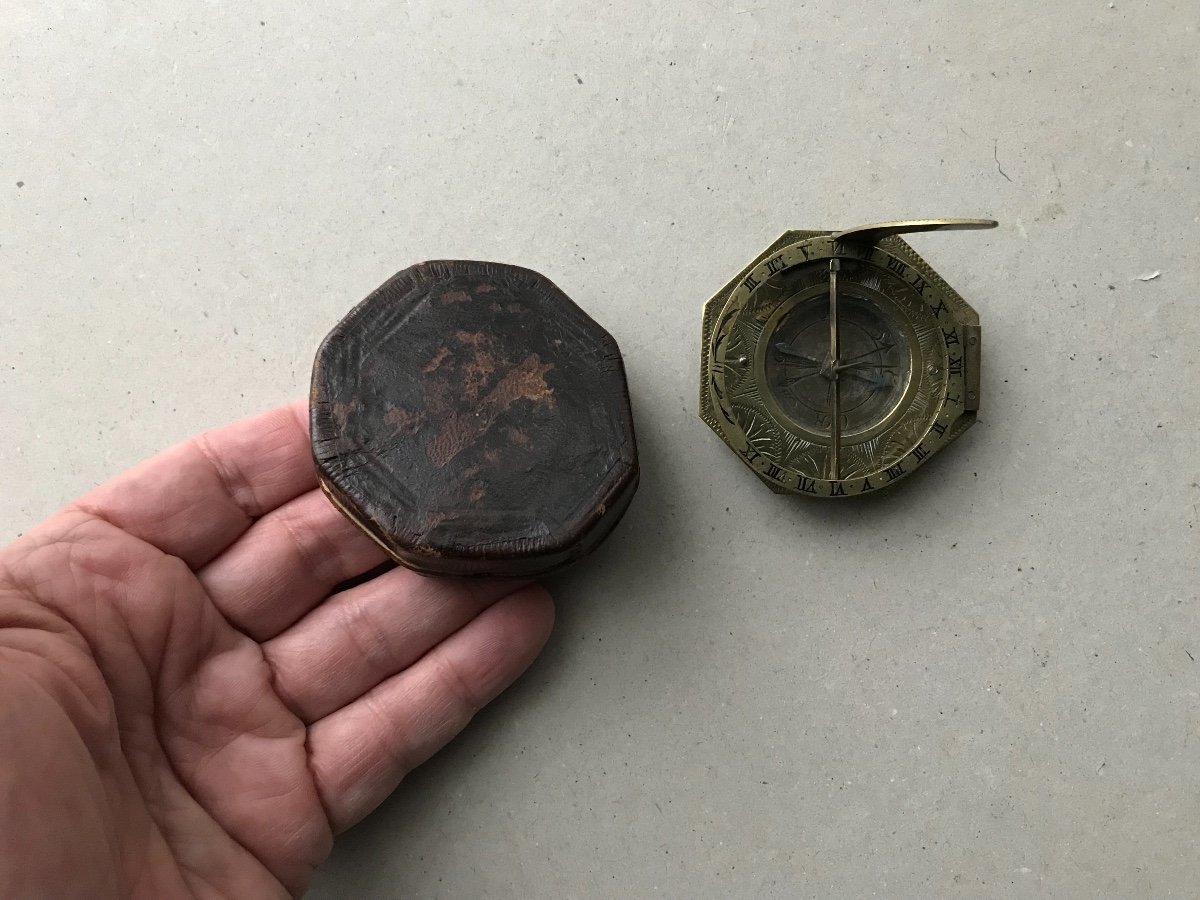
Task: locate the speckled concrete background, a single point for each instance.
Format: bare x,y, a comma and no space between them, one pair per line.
984,683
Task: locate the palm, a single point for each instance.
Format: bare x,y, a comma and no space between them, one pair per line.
170,648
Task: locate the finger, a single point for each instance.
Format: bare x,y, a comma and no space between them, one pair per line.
361,752
287,563
193,500
364,635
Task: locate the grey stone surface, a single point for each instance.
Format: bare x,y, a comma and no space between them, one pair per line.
981,684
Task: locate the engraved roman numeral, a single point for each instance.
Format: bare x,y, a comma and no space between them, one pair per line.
837,490
750,282
939,428
919,284
774,472
940,308
896,266
895,472
775,265
920,452
951,336
867,486
807,485
854,249
956,365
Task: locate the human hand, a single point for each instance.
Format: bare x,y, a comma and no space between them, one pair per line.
187,710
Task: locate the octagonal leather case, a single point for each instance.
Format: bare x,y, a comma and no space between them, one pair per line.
473,420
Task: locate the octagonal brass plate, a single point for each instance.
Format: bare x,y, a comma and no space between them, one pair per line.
835,364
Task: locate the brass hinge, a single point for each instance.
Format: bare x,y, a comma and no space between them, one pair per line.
971,358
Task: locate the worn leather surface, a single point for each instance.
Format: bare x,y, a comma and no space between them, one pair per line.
474,420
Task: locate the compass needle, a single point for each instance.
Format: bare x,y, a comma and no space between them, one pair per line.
883,347
796,378
784,350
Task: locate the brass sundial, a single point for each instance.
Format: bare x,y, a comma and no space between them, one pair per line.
837,362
